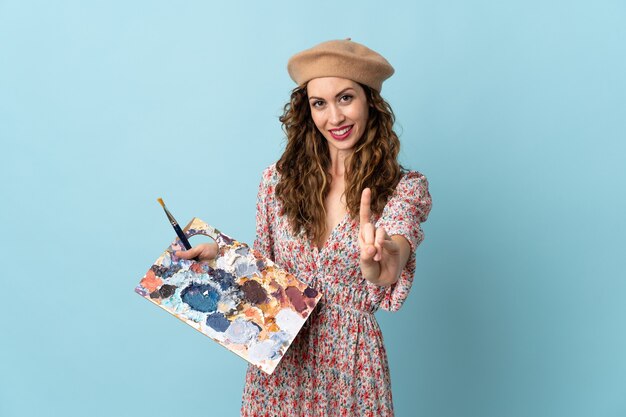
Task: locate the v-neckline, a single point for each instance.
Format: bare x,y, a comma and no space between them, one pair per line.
331,235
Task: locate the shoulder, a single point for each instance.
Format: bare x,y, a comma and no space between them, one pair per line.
412,194
412,183
269,177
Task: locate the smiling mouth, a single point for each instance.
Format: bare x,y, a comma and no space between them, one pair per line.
342,132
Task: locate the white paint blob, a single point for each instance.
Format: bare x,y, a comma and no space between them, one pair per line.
242,332
289,321
264,350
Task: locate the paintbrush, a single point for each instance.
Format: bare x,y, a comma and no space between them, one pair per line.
175,225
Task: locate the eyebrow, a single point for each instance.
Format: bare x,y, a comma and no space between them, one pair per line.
337,95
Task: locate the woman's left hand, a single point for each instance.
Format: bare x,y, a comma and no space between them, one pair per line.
381,256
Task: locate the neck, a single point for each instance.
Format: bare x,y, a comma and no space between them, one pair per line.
338,161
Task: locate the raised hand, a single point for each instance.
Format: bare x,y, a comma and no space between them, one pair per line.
202,252
382,257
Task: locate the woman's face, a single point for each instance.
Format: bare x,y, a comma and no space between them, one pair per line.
339,109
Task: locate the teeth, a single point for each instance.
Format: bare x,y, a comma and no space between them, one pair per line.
341,132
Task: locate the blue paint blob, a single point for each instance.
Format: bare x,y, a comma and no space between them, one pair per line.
217,322
242,250
171,271
245,268
201,297
224,279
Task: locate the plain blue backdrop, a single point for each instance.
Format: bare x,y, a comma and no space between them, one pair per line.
514,110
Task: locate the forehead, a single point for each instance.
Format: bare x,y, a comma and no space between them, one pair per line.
328,87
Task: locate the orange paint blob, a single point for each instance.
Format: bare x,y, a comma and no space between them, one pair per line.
151,282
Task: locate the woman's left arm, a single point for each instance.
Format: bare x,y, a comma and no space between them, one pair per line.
383,257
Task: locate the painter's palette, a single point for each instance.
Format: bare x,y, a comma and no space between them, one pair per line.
241,300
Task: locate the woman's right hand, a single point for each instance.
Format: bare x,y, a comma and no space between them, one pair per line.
202,252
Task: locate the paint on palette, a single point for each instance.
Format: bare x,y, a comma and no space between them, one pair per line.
241,300
254,292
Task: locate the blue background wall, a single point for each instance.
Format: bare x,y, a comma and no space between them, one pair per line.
514,110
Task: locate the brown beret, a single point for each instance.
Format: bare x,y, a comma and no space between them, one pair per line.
340,58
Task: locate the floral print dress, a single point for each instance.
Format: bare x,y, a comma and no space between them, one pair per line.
337,365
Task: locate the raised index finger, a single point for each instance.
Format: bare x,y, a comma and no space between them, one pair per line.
365,210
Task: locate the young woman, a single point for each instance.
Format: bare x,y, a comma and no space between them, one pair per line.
339,212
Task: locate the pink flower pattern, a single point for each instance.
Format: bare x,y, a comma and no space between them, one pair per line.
337,365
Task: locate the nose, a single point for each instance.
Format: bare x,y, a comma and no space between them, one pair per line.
336,116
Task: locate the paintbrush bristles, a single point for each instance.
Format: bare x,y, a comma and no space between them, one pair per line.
167,212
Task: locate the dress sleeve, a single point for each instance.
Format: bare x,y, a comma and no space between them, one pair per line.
407,208
265,203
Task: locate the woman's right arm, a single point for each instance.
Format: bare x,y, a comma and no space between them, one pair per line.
265,202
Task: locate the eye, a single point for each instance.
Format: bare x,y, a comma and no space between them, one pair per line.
317,103
346,98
